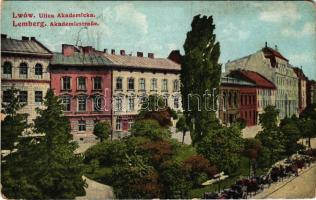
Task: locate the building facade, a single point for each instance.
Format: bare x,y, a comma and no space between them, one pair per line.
311,92
302,88
277,69
25,66
137,77
82,78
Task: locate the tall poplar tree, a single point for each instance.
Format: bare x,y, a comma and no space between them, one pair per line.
200,74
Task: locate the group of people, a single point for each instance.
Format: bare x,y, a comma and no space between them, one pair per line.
251,186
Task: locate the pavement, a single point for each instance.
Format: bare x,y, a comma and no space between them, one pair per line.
96,191
302,186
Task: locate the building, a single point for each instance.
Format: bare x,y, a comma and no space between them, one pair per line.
277,69
265,90
25,66
236,100
81,77
311,92
302,86
137,77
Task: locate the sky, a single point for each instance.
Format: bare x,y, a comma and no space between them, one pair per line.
242,28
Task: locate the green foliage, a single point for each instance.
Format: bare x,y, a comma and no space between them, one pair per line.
14,123
149,128
200,72
154,108
222,147
309,129
102,130
291,134
269,119
45,168
252,149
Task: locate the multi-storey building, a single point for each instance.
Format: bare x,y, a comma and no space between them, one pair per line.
302,92
25,66
278,70
311,92
265,90
81,77
137,77
236,100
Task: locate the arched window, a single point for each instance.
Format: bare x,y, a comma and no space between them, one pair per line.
153,84
38,70
130,84
175,85
119,85
7,70
23,70
142,84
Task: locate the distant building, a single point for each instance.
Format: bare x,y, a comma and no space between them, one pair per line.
137,77
302,88
237,99
25,66
81,77
277,69
311,92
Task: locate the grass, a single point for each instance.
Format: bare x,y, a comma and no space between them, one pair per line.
242,171
185,152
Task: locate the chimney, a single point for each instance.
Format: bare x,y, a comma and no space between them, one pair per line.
3,36
68,49
150,55
266,44
33,38
25,38
175,56
139,54
105,50
87,49
113,51
122,52
276,47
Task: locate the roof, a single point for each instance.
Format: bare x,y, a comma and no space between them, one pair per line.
228,80
143,62
299,73
254,77
80,59
268,51
26,46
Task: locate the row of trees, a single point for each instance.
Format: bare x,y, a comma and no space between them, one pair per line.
42,167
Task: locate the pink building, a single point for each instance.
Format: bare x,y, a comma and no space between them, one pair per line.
82,78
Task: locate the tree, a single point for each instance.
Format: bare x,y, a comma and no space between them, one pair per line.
154,108
222,147
14,123
252,148
149,128
271,137
46,167
200,73
291,133
309,130
182,126
102,130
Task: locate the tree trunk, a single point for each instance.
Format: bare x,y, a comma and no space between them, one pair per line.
183,135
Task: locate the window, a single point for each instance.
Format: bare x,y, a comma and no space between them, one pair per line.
131,103
97,103
142,84
118,104
176,102
66,83
23,96
6,96
81,83
165,100
82,101
130,84
164,85
82,125
130,123
175,85
66,102
119,83
38,96
97,85
23,70
38,70
7,70
154,84
118,124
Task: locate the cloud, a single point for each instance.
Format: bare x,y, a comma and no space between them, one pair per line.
277,12
302,58
231,32
308,29
126,13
